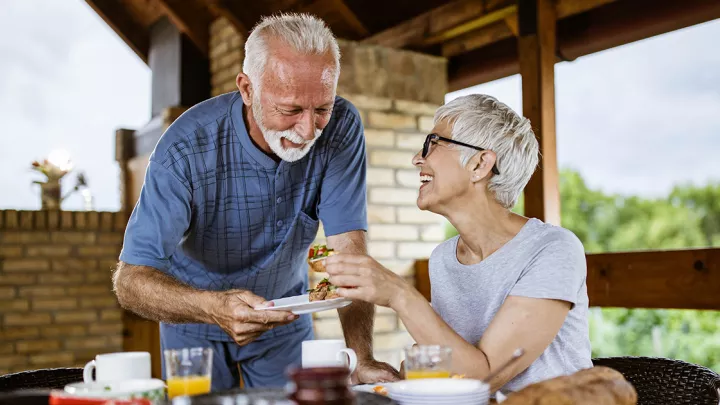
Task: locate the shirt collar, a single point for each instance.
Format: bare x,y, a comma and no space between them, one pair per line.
236,112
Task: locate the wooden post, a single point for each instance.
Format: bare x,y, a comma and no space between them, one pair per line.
124,151
536,46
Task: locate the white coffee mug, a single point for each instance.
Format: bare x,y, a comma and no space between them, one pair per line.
118,366
328,353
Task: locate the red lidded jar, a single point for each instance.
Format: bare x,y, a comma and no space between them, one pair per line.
321,386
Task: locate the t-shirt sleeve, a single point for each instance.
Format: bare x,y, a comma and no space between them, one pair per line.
159,220
343,194
558,271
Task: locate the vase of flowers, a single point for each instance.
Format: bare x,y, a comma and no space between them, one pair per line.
54,168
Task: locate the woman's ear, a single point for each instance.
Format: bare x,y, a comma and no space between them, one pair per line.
481,165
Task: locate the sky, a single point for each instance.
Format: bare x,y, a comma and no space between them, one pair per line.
636,119
67,81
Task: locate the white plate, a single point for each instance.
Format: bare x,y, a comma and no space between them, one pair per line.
438,386
126,389
300,304
370,387
441,401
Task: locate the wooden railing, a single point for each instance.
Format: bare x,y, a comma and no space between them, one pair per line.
684,279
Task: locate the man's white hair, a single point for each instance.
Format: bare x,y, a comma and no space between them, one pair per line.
305,33
483,121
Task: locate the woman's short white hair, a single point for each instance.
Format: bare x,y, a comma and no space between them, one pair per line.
305,33
483,121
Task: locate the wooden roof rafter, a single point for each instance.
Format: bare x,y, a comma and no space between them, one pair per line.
416,31
233,12
244,17
465,25
135,35
357,29
191,18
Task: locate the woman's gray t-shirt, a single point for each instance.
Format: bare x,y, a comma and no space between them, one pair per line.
541,261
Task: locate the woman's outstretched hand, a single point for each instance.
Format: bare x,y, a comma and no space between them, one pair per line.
360,277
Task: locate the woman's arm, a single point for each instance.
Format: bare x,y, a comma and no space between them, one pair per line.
529,323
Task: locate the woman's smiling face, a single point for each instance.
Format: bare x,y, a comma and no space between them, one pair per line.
441,175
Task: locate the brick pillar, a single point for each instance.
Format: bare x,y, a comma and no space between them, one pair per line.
397,93
226,56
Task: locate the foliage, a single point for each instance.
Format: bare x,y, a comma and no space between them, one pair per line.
688,218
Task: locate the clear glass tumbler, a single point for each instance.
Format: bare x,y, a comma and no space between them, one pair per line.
188,371
427,362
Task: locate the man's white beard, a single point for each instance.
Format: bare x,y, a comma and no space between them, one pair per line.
274,138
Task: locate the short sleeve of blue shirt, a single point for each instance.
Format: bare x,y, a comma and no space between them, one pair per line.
343,193
160,219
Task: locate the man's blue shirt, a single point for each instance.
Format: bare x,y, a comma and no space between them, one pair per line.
217,213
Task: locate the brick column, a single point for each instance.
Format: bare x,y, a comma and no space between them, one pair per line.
397,93
227,50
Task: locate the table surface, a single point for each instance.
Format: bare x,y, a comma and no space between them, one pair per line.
276,396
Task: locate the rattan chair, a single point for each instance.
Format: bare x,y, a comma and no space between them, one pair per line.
661,381
51,378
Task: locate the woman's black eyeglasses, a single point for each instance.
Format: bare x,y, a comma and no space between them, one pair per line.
433,138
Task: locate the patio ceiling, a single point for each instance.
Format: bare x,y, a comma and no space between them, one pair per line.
479,37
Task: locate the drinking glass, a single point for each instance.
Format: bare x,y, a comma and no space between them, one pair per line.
188,371
427,362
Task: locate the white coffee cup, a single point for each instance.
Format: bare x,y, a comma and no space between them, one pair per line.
118,366
328,353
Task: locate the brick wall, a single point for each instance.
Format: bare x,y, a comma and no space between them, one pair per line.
56,304
226,56
399,232
396,93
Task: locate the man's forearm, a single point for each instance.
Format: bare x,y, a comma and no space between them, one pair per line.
358,318
357,322
154,295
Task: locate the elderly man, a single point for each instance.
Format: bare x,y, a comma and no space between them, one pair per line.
232,199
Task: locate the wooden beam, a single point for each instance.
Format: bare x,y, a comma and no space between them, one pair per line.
485,20
614,24
454,21
235,13
686,279
483,65
337,14
537,47
350,18
623,22
192,19
682,279
512,23
124,151
478,39
491,33
121,21
416,31
566,8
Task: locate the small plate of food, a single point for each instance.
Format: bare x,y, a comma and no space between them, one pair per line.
379,389
321,298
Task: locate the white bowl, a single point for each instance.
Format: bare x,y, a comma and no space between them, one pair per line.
438,387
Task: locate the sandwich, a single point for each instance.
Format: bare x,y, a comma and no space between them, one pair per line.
324,290
317,256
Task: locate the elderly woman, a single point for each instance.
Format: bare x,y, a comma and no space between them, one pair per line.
506,281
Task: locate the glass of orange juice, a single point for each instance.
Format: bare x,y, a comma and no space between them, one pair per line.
427,362
188,371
